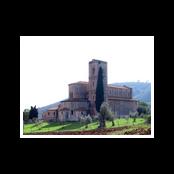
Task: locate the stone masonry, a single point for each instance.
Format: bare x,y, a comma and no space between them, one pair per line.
82,97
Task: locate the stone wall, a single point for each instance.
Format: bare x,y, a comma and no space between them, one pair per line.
72,110
50,115
75,105
78,90
119,92
123,107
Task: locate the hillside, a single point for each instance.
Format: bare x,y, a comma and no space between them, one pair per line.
141,90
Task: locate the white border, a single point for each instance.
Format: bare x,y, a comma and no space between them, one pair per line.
86,136
97,136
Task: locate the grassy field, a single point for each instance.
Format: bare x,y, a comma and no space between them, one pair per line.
76,126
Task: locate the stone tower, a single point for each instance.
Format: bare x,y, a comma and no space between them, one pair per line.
94,66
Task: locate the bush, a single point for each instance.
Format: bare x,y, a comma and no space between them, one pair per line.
35,120
26,116
127,118
88,120
147,119
143,108
134,120
133,114
82,119
95,118
142,115
105,114
110,117
85,120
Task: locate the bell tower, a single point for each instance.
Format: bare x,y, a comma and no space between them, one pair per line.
94,66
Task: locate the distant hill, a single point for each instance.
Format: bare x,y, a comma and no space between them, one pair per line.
141,90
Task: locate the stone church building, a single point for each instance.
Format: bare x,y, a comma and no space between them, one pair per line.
82,96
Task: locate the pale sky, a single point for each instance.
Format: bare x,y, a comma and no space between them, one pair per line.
49,63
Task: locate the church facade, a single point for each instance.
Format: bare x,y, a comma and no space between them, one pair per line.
82,97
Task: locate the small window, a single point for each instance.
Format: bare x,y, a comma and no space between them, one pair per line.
71,112
93,71
48,113
54,113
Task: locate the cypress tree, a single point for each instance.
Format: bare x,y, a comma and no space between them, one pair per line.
99,90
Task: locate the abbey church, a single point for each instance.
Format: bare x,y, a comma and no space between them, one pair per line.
82,97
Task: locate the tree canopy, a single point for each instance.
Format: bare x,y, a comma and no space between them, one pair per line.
33,112
99,90
105,114
143,108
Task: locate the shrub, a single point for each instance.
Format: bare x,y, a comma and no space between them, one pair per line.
147,119
105,114
127,118
82,119
88,120
95,118
133,114
26,116
134,119
110,117
142,115
143,108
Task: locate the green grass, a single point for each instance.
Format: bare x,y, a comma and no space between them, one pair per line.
76,126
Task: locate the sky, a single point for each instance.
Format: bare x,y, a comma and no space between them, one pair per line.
49,63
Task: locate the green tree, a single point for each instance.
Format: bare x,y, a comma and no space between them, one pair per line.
143,108
134,119
99,90
26,114
33,112
105,114
110,116
147,119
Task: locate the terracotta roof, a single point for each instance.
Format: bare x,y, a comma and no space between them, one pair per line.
79,82
64,109
95,60
51,109
76,100
122,99
121,87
